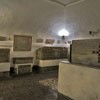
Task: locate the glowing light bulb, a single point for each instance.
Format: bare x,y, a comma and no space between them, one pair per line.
63,32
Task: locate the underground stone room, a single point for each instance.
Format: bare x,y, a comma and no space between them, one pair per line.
49,49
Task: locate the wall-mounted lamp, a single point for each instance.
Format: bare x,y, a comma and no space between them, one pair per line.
63,37
63,33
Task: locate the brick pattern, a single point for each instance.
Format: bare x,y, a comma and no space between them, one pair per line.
48,53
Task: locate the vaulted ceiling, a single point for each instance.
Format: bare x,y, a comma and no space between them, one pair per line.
47,17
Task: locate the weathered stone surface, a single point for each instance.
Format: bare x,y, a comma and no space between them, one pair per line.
79,82
86,52
21,60
22,69
47,53
4,55
22,43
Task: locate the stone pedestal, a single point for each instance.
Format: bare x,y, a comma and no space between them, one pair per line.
79,82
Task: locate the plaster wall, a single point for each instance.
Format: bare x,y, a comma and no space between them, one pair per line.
44,18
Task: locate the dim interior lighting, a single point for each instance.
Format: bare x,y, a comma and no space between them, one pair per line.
63,32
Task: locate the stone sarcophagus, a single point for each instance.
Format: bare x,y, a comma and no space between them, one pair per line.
22,60
49,57
4,59
23,64
49,53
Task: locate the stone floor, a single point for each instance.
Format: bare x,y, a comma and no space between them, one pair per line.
33,86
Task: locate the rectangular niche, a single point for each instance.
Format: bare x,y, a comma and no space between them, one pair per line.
22,43
4,55
2,38
49,41
39,40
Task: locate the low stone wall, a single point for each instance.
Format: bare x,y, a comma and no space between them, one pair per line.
79,82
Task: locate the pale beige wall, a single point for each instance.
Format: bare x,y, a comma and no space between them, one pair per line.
79,82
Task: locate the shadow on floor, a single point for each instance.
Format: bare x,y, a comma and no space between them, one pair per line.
30,87
63,97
